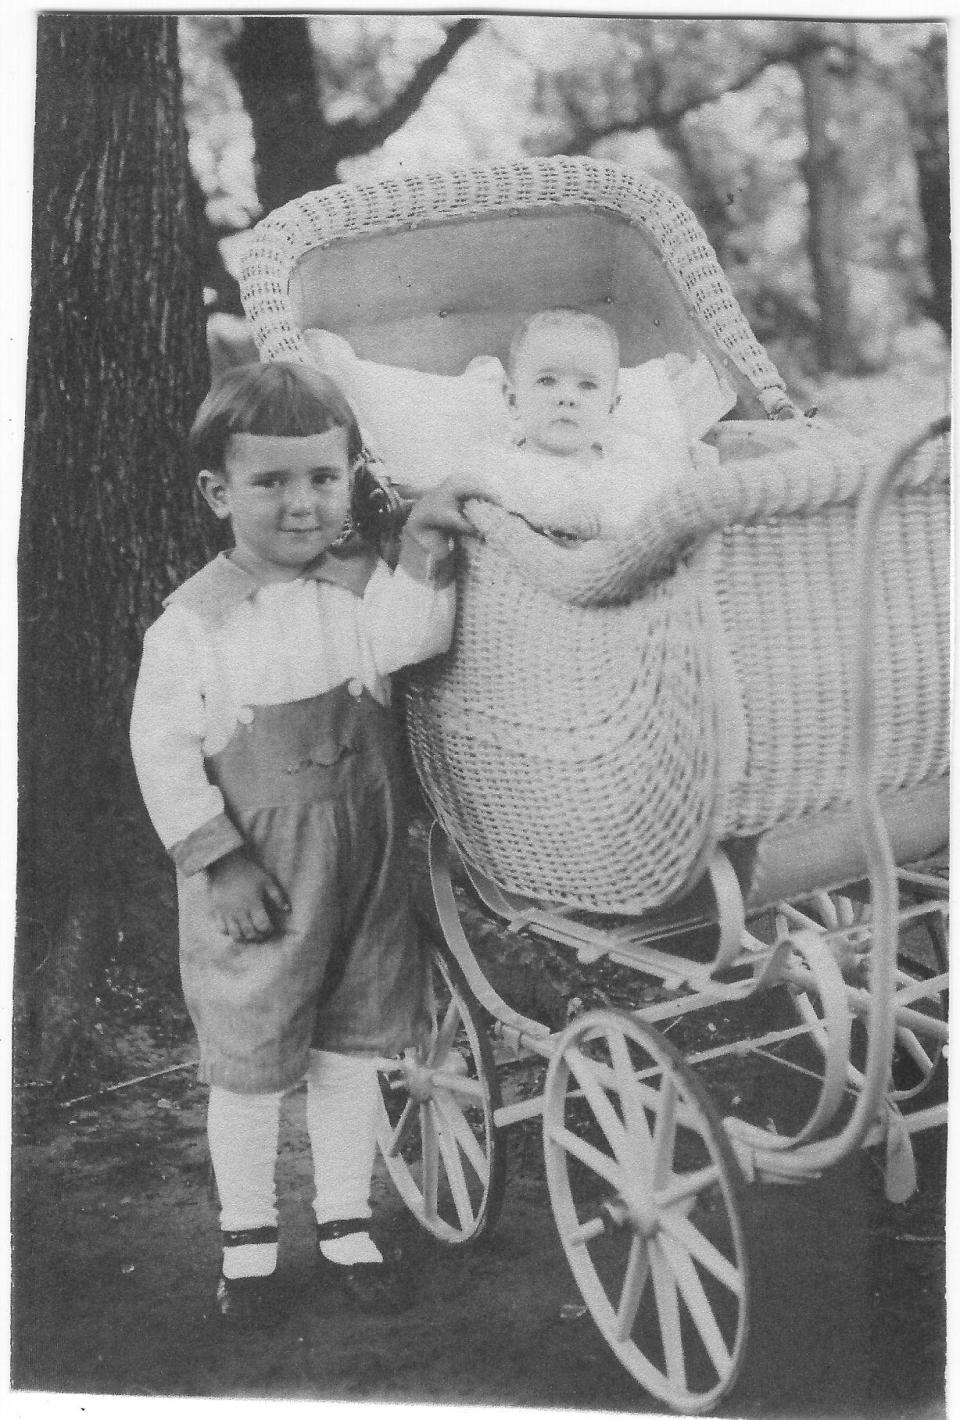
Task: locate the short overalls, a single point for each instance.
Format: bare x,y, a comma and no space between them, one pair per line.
316,787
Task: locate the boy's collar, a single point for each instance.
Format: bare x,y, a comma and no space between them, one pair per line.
214,591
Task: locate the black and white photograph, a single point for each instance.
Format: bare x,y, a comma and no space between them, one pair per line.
481,712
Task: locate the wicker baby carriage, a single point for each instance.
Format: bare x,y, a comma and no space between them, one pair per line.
611,714
637,740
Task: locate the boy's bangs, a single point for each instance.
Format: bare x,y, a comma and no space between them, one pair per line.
277,399
297,405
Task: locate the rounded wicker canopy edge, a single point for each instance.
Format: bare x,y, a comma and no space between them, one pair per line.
406,200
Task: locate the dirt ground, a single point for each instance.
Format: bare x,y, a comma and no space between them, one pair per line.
116,1256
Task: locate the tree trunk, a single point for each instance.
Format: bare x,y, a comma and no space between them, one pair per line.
297,150
927,107
109,522
827,191
272,62
934,192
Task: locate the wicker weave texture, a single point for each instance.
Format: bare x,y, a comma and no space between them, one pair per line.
785,592
333,214
573,751
804,466
570,753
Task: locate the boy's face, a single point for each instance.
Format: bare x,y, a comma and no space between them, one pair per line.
287,498
564,388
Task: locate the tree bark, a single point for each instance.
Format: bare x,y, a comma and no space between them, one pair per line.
109,522
827,193
927,106
272,62
934,193
297,150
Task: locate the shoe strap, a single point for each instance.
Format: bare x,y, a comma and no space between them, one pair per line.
341,1228
244,1237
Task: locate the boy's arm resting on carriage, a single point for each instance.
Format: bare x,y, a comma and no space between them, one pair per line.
439,512
408,614
187,811
532,488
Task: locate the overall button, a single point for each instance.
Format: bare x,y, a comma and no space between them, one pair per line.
355,687
245,715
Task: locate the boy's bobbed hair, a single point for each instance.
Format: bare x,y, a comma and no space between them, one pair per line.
292,400
280,398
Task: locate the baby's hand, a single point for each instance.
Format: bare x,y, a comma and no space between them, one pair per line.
241,896
440,510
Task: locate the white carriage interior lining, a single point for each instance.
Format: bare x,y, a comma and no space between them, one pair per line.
433,298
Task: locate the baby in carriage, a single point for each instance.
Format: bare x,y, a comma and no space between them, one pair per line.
547,435
568,469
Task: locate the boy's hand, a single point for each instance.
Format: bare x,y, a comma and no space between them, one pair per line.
440,511
242,895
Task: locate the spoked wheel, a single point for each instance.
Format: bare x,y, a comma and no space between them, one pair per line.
917,1059
916,1062
646,1193
436,1131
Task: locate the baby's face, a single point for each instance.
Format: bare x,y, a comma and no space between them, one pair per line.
564,388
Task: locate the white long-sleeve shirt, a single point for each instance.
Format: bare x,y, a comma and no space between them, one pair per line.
225,643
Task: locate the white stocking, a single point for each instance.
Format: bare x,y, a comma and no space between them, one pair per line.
342,1101
243,1132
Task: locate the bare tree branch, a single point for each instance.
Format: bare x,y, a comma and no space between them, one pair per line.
352,136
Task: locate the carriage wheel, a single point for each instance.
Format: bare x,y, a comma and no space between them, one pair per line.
646,1194
436,1130
916,1061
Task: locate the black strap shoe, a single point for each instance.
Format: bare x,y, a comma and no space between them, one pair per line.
377,1287
249,1303
245,1303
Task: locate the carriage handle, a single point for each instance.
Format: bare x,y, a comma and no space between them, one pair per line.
609,570
882,869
